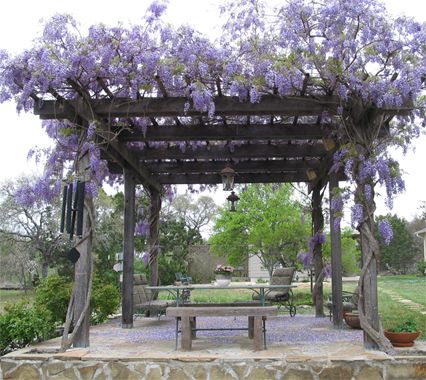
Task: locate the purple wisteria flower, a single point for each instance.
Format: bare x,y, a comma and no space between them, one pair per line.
386,232
305,258
142,228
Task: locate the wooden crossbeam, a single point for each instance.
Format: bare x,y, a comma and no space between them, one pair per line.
212,179
228,132
174,106
259,166
223,152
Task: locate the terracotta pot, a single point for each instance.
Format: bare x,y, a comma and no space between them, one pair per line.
401,339
352,320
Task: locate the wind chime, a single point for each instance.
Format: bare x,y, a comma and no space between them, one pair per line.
72,214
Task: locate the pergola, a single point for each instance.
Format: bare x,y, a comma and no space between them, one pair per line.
276,140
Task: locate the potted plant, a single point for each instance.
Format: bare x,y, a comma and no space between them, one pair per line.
223,274
403,334
352,319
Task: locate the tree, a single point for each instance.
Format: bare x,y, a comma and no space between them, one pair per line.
33,226
268,223
400,253
351,254
195,214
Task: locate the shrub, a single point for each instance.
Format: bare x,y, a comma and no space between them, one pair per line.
105,300
22,324
54,293
421,268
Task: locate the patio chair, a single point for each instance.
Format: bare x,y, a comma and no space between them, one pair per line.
144,299
349,301
284,297
183,278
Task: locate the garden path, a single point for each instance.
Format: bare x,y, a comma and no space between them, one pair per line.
410,304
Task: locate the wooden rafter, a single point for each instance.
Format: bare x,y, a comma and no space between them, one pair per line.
228,132
242,152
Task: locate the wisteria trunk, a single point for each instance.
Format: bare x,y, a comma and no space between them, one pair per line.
318,226
83,268
368,299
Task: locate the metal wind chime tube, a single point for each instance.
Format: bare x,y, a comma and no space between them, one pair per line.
64,202
69,208
80,207
73,209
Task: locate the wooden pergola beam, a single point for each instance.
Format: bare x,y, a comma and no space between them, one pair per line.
228,132
238,152
213,179
224,106
250,166
175,106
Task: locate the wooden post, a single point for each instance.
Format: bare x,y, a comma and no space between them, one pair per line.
128,250
336,261
369,288
154,231
318,228
83,266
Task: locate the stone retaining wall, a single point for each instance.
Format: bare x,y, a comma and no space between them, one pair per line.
51,368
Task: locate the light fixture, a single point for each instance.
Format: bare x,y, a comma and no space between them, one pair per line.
232,199
228,175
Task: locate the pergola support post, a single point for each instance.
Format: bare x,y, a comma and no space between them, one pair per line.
336,260
154,234
318,227
83,266
128,249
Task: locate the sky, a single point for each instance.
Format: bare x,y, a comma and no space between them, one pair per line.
20,24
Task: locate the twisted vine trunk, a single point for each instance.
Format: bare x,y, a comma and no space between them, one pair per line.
318,226
368,299
78,313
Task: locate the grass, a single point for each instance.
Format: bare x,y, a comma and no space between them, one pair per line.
12,296
407,286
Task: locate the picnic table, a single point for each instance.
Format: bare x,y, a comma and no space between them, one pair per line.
187,312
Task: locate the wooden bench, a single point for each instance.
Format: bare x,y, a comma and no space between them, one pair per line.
188,315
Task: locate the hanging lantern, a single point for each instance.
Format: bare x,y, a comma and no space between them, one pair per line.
228,175
232,199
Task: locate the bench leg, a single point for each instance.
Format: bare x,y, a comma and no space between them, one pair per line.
186,340
250,327
258,333
177,332
264,331
193,322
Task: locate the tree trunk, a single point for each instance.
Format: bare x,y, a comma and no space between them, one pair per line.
44,268
318,226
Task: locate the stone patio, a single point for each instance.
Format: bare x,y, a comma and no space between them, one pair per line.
303,347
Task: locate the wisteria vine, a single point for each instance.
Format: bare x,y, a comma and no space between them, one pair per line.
351,49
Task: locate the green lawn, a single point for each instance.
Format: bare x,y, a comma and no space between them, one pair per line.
11,296
407,286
